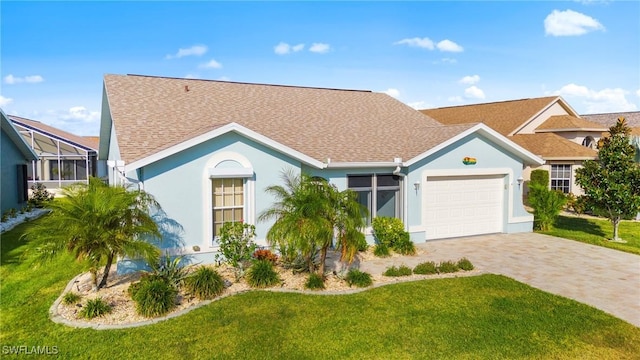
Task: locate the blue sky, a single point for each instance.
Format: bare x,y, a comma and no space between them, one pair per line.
426,54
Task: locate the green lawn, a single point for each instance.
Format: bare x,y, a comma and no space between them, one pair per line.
597,231
487,316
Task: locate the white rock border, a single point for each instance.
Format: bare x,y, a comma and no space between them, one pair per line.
20,218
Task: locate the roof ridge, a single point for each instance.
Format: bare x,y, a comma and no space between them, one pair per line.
490,103
247,83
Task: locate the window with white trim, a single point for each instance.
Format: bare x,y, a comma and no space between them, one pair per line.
71,170
227,201
379,193
561,178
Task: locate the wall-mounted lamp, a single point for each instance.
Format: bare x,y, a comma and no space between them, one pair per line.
416,185
520,181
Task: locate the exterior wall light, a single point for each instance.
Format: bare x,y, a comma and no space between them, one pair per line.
416,185
520,181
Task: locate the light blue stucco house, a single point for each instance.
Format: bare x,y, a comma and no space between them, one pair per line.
207,150
16,154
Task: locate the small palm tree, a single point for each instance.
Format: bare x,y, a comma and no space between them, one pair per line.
98,222
308,212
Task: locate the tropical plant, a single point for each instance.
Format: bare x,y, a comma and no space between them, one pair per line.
390,232
70,298
262,274
94,308
395,271
314,282
204,283
40,196
98,223
154,296
171,270
446,267
612,183
547,205
265,254
426,268
236,245
381,250
465,264
308,212
358,278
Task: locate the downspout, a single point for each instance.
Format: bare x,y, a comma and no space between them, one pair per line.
405,205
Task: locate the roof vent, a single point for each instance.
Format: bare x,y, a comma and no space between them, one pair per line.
186,88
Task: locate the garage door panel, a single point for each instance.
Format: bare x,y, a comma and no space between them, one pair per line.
463,206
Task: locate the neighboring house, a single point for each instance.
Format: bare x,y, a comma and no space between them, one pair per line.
16,154
208,149
547,127
64,158
632,119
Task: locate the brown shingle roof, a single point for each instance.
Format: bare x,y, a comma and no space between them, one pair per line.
552,146
568,123
151,114
504,117
55,132
610,119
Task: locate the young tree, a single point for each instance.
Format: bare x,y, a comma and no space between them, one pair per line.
612,183
308,212
98,222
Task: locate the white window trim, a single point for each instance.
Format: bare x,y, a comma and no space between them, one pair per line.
210,172
551,178
400,199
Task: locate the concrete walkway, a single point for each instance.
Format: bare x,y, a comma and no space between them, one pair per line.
603,278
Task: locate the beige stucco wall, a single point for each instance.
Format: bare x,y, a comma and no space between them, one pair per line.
555,109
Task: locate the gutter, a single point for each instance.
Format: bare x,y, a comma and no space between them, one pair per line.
404,194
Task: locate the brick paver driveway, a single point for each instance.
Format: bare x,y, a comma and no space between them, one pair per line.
603,278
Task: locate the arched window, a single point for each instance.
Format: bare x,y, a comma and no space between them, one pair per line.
589,142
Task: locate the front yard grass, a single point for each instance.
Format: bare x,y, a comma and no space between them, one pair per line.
596,231
486,316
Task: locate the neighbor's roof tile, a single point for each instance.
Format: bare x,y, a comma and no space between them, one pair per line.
504,116
151,114
560,123
610,119
550,145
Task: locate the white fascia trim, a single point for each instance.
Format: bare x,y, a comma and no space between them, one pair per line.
232,127
353,165
527,156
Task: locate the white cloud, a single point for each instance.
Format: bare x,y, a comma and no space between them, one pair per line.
195,50
473,92
320,48
470,80
32,79
212,64
638,92
5,101
450,46
446,61
456,99
394,93
420,105
283,48
602,101
569,23
80,113
424,43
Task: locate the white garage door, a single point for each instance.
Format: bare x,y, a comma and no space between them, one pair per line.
463,205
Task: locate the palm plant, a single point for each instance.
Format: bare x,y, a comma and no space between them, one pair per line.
308,212
98,223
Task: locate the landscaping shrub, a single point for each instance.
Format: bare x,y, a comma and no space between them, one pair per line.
154,296
358,278
262,274
237,246
265,254
546,204
94,308
70,298
540,176
404,245
381,250
362,244
446,267
39,195
205,283
465,264
425,268
387,230
402,270
314,282
170,270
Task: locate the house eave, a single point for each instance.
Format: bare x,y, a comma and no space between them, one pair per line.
569,130
228,128
360,165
